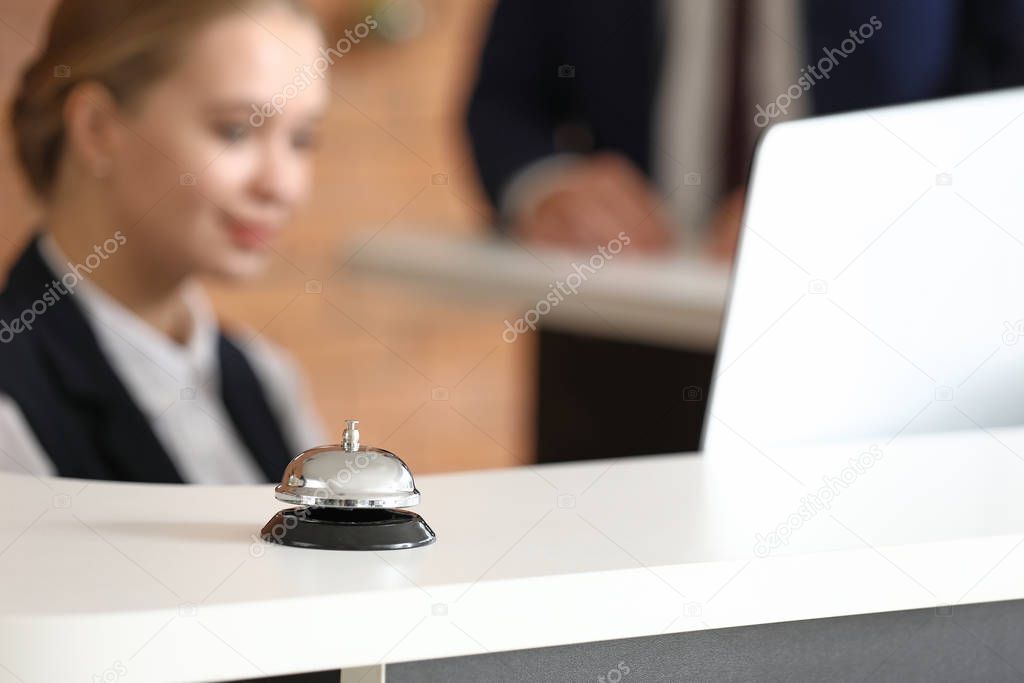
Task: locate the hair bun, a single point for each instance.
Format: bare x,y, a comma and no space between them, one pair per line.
36,125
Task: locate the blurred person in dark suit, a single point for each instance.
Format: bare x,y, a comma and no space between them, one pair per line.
589,117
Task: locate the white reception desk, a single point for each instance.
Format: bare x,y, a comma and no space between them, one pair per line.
168,583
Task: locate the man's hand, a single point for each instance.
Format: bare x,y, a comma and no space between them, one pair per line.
725,226
591,202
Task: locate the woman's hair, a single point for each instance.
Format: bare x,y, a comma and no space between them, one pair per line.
125,45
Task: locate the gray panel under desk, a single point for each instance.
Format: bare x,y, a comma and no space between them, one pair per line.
981,642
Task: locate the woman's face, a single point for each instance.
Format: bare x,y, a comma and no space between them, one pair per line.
213,160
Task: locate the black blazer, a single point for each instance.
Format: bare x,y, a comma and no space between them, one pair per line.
571,75
77,407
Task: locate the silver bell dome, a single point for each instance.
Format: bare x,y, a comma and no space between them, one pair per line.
348,475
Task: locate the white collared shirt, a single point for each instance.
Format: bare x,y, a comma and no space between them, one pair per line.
693,99
176,387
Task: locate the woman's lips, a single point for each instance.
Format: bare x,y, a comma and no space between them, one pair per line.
250,235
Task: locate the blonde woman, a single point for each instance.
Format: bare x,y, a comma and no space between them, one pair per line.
135,126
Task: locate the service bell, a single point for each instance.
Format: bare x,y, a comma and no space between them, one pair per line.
348,497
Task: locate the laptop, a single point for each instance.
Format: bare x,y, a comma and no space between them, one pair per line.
878,289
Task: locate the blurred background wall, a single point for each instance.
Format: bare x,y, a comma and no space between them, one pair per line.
434,383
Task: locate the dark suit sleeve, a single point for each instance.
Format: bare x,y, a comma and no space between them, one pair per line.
511,116
992,45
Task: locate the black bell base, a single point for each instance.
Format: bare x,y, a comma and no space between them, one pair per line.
347,529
